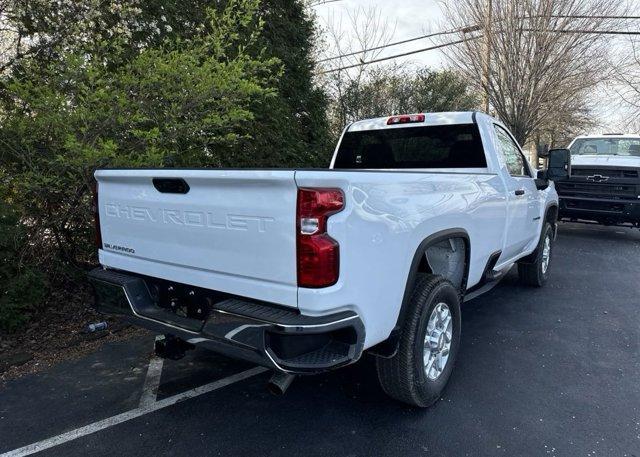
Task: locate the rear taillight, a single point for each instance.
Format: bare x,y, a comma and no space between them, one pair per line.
318,254
405,119
96,215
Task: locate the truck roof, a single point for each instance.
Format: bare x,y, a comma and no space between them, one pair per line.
453,117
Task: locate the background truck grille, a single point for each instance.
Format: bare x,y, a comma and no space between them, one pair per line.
611,173
589,190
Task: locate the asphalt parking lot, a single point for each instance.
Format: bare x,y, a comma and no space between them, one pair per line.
552,371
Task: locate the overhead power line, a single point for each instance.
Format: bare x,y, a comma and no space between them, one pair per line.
396,43
586,32
323,3
576,16
404,54
474,28
451,43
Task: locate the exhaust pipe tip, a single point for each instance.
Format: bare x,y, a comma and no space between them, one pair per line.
280,382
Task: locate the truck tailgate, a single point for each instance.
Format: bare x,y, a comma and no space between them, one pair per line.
232,230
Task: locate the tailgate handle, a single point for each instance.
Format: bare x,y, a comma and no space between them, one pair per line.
171,185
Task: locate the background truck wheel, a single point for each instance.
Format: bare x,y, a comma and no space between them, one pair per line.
535,271
429,341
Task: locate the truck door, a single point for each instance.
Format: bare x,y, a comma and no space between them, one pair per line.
523,203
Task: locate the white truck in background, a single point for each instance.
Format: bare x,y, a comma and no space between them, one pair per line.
604,186
303,270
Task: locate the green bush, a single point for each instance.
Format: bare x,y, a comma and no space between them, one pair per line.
186,101
138,84
22,294
22,289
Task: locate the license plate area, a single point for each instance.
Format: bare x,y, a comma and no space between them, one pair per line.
183,300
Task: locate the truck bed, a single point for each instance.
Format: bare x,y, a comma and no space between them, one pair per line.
234,231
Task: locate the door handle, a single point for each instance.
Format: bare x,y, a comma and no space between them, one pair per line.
519,192
171,185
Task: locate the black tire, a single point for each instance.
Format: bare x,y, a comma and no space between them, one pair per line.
403,376
531,271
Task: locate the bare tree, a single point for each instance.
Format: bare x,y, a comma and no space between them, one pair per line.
537,60
627,81
351,39
565,123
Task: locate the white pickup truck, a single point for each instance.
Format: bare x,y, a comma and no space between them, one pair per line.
604,185
303,270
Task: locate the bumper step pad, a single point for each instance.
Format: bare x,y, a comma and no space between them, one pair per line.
285,317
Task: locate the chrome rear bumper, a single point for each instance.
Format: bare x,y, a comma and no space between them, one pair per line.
261,333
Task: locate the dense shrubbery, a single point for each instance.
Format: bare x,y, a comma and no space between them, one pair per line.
22,288
147,84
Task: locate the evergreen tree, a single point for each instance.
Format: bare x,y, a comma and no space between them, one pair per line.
299,134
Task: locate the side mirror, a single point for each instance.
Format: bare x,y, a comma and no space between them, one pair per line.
542,182
559,166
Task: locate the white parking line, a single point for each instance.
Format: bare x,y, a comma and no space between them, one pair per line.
124,417
152,381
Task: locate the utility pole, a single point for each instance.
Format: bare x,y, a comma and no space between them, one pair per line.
487,60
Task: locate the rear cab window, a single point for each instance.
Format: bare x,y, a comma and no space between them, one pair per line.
439,146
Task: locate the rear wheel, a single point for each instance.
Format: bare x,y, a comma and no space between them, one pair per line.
535,272
429,340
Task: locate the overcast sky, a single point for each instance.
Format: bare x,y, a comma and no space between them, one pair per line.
417,17
411,18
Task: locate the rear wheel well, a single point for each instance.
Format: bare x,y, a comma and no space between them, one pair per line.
424,267
445,254
446,258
